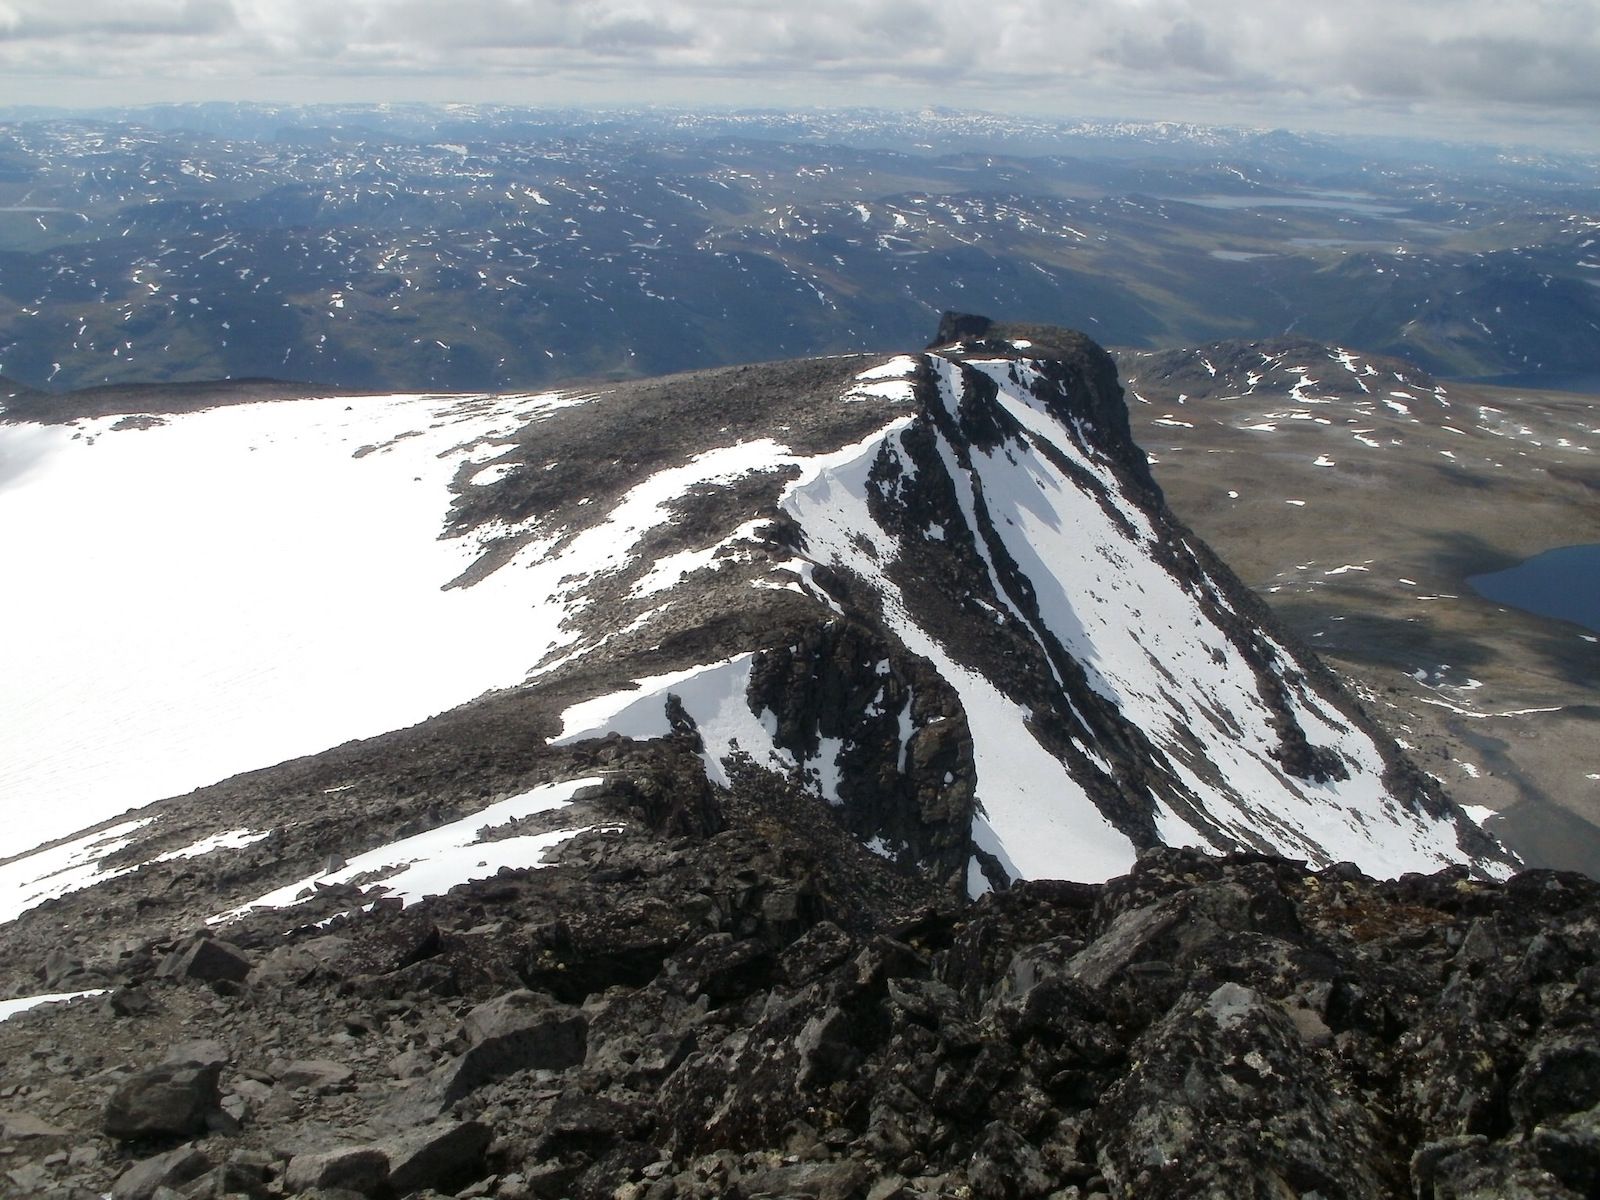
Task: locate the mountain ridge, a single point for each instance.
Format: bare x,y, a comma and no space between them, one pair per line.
747,536
498,255
739,888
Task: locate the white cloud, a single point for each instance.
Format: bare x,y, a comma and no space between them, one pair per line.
1255,55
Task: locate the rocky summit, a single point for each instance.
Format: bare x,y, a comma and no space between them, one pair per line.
858,784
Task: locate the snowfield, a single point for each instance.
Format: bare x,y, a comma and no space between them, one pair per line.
236,587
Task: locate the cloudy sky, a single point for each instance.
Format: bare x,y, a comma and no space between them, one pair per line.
1521,69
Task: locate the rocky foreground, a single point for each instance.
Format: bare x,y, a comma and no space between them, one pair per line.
721,993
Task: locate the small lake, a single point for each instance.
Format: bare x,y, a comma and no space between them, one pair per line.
1333,201
1583,381
1562,583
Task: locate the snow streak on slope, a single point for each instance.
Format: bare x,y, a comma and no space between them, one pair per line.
22,1004
30,879
433,862
1039,821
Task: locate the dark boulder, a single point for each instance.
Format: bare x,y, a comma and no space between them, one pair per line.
208,960
165,1101
516,1032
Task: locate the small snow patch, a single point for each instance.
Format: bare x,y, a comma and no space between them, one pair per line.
234,839
69,867
431,863
896,368
21,1004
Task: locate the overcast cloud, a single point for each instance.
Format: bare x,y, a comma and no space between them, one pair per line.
1529,65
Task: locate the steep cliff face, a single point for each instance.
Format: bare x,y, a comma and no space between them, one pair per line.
1105,682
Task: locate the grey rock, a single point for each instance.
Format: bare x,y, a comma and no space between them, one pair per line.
823,1180
28,1178
16,1127
131,1001
58,965
1126,937
1570,1149
443,1157
1005,1166
890,1187
363,1169
201,1052
172,1170
504,1015
164,1101
1223,1098
317,1074
549,1180
298,962
926,1001
1561,1075
411,1064
228,1182
1036,963
208,960
515,1035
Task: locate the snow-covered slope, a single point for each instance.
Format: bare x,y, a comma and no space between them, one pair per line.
203,593
938,592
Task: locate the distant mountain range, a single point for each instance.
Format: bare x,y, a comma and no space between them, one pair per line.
466,248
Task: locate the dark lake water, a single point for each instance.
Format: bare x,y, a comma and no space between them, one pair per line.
1561,583
1583,381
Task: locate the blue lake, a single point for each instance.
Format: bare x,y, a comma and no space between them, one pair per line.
1562,583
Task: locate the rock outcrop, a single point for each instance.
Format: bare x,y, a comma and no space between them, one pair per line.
801,1017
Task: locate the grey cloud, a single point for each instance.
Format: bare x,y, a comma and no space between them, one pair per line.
1189,44
146,19
631,33
568,26
1184,45
1515,69
1251,54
